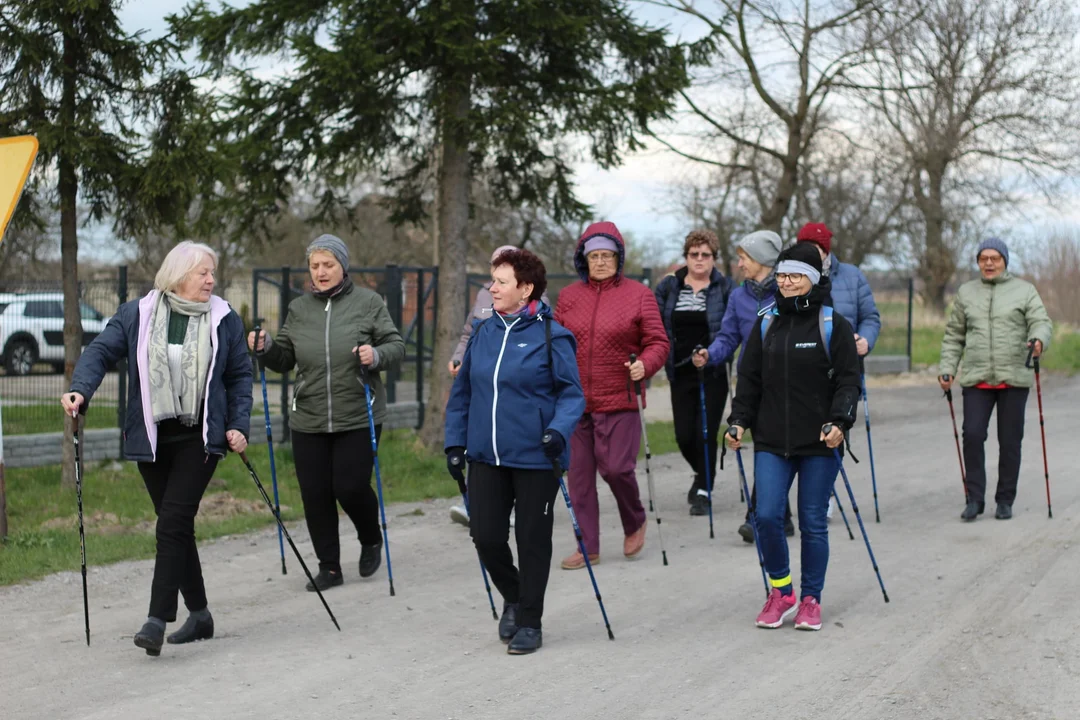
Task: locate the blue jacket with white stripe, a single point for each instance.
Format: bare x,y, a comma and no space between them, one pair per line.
507,394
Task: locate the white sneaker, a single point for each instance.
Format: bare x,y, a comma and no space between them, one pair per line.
459,515
829,511
513,517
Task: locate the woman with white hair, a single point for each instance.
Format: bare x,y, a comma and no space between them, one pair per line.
189,402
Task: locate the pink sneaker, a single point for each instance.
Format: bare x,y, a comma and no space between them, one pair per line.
777,608
809,616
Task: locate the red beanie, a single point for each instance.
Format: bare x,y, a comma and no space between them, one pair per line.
818,234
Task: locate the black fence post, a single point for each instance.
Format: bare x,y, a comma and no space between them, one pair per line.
646,276
121,367
392,282
910,310
284,297
420,343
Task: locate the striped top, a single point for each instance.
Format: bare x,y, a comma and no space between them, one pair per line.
690,301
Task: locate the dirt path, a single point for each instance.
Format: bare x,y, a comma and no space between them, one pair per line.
977,626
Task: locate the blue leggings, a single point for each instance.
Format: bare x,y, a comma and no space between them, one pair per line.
773,475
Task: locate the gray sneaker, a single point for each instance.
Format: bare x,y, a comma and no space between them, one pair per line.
460,515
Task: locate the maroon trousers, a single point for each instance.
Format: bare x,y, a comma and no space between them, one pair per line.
607,443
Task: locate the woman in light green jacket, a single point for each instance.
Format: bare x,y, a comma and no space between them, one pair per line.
996,320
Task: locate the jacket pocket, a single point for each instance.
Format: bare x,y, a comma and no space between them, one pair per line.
296,393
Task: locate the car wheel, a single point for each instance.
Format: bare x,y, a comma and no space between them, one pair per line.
20,357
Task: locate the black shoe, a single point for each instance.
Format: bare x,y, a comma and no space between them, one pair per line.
193,630
700,506
150,639
325,580
789,528
526,640
1004,512
692,492
508,626
972,510
370,559
747,532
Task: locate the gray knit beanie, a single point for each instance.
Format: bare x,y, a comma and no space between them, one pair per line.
993,244
762,246
333,245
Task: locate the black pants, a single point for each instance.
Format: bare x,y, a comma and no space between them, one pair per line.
978,404
336,468
176,482
493,491
686,411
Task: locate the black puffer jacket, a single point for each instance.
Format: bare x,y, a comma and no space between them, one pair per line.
787,388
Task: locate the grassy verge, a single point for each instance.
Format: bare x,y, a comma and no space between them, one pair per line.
119,518
1063,355
48,417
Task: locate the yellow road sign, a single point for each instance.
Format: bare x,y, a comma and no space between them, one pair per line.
16,158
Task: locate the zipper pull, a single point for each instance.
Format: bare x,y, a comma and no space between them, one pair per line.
327,308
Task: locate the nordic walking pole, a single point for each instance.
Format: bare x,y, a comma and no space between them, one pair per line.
750,507
705,441
730,403
825,430
577,534
270,445
843,515
378,473
281,526
75,434
956,435
1042,428
648,456
869,439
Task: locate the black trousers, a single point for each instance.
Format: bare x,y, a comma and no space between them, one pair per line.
336,468
176,482
978,404
686,411
493,492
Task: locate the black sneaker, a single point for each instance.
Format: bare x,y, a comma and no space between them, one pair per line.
972,510
325,580
700,506
508,626
193,630
150,638
1004,512
746,531
370,559
692,492
526,640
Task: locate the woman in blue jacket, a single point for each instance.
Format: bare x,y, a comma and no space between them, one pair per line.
519,377
189,402
757,255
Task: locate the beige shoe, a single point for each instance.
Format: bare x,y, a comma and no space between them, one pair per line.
633,544
576,561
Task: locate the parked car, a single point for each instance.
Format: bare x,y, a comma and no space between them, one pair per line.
32,330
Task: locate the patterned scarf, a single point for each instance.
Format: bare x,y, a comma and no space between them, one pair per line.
176,389
763,288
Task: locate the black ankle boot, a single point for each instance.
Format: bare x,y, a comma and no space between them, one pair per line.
1004,512
508,622
746,532
325,580
193,629
370,559
972,510
150,638
526,640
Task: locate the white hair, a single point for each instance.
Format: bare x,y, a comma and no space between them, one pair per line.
180,261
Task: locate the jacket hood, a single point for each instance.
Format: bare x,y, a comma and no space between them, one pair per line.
604,229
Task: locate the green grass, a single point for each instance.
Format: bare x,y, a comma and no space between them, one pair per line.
1063,355
34,497
49,417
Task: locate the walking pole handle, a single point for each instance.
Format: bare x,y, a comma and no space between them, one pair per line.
700,370
637,383
1031,353
457,363
554,463
948,393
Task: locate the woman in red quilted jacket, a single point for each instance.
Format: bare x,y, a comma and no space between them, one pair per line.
612,317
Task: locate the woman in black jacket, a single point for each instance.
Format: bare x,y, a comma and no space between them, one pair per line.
790,387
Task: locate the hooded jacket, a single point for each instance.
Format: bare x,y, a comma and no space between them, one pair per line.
787,387
611,320
716,303
507,395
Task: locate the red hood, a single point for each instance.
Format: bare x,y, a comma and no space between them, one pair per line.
605,229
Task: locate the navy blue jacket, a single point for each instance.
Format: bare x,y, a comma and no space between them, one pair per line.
228,394
506,395
716,299
852,298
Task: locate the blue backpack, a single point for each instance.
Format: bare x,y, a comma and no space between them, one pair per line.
824,327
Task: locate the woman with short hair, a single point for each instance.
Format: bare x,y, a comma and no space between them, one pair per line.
189,402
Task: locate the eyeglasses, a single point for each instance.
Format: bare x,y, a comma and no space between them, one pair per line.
596,258
991,259
789,277
699,255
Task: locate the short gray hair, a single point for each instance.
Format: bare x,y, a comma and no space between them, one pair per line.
181,260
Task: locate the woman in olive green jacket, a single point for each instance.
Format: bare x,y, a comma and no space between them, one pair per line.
995,321
326,336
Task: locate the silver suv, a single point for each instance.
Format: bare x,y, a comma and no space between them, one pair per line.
32,330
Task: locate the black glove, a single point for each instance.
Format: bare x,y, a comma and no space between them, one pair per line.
455,463
554,445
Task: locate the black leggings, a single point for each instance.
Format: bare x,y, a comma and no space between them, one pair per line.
176,482
336,468
686,411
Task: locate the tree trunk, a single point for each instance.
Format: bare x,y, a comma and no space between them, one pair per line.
938,263
68,187
772,218
454,179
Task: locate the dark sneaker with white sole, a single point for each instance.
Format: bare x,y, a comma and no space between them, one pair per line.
526,640
1003,512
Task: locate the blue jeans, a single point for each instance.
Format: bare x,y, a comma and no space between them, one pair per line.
773,475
